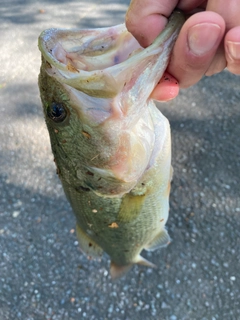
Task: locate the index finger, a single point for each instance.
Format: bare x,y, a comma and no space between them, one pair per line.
145,19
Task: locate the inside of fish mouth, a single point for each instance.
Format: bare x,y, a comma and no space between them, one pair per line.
95,59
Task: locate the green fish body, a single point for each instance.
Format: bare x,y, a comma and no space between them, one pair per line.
111,145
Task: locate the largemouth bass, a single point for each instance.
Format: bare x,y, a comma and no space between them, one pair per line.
111,145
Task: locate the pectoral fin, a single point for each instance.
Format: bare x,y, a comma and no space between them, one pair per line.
161,240
87,245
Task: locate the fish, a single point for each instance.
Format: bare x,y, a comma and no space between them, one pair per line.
111,144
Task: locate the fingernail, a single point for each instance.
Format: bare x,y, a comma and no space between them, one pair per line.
203,37
233,50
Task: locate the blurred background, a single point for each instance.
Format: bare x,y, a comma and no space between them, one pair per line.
43,274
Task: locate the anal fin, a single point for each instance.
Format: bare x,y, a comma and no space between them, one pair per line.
161,240
87,245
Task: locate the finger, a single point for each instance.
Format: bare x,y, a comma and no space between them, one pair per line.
229,11
231,14
195,47
145,19
232,49
189,5
218,62
167,88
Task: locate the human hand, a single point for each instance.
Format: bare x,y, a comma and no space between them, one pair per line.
208,42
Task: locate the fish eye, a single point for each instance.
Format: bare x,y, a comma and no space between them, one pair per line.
57,112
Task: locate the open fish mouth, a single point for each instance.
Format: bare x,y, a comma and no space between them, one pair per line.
97,61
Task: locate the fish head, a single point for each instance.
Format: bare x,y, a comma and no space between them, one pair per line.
95,87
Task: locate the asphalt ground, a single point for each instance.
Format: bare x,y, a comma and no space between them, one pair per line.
43,274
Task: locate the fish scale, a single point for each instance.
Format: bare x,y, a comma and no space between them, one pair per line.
111,145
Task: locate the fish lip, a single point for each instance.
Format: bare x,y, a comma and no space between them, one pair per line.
51,38
111,77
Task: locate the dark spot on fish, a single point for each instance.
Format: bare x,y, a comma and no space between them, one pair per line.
89,173
99,179
102,47
116,60
161,220
143,184
90,244
80,188
126,250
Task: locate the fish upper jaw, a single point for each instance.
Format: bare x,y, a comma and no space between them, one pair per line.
106,62
82,58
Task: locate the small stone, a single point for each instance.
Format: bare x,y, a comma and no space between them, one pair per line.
15,214
17,204
232,278
164,305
